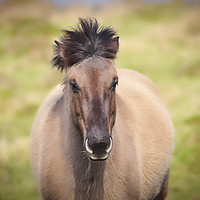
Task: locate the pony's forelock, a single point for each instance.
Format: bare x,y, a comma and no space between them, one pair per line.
84,41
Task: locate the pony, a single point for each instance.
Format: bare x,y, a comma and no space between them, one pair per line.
103,134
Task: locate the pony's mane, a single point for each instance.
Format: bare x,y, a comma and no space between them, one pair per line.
86,40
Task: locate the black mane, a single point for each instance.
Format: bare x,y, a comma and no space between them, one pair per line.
86,40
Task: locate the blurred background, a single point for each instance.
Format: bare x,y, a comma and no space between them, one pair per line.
158,38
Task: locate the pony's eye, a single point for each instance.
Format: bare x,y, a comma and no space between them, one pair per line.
74,86
114,84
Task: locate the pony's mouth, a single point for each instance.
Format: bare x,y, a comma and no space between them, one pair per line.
98,154
95,158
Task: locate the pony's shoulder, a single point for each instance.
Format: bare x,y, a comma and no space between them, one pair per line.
50,102
53,97
131,81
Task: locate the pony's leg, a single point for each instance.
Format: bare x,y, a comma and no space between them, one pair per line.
164,189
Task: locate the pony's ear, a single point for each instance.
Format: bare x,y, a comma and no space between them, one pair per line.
115,44
59,59
57,43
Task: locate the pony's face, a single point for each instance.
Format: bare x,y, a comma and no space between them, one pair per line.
91,85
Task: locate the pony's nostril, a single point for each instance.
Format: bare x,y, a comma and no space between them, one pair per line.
99,146
110,145
88,149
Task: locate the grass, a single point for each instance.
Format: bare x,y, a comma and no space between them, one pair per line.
160,41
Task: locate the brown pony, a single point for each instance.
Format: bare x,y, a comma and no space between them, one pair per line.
94,140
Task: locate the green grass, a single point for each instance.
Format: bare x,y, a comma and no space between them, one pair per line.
160,41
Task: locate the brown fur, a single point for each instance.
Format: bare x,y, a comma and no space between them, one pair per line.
87,108
143,143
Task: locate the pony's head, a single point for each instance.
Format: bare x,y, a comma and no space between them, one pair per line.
87,54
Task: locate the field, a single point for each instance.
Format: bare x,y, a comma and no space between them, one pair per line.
161,41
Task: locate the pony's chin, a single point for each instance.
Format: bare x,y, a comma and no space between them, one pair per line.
98,158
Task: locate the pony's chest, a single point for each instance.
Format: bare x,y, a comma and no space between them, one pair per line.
118,188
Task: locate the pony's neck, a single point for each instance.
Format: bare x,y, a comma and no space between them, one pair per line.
88,174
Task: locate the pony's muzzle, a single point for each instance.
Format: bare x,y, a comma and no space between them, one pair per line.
98,149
